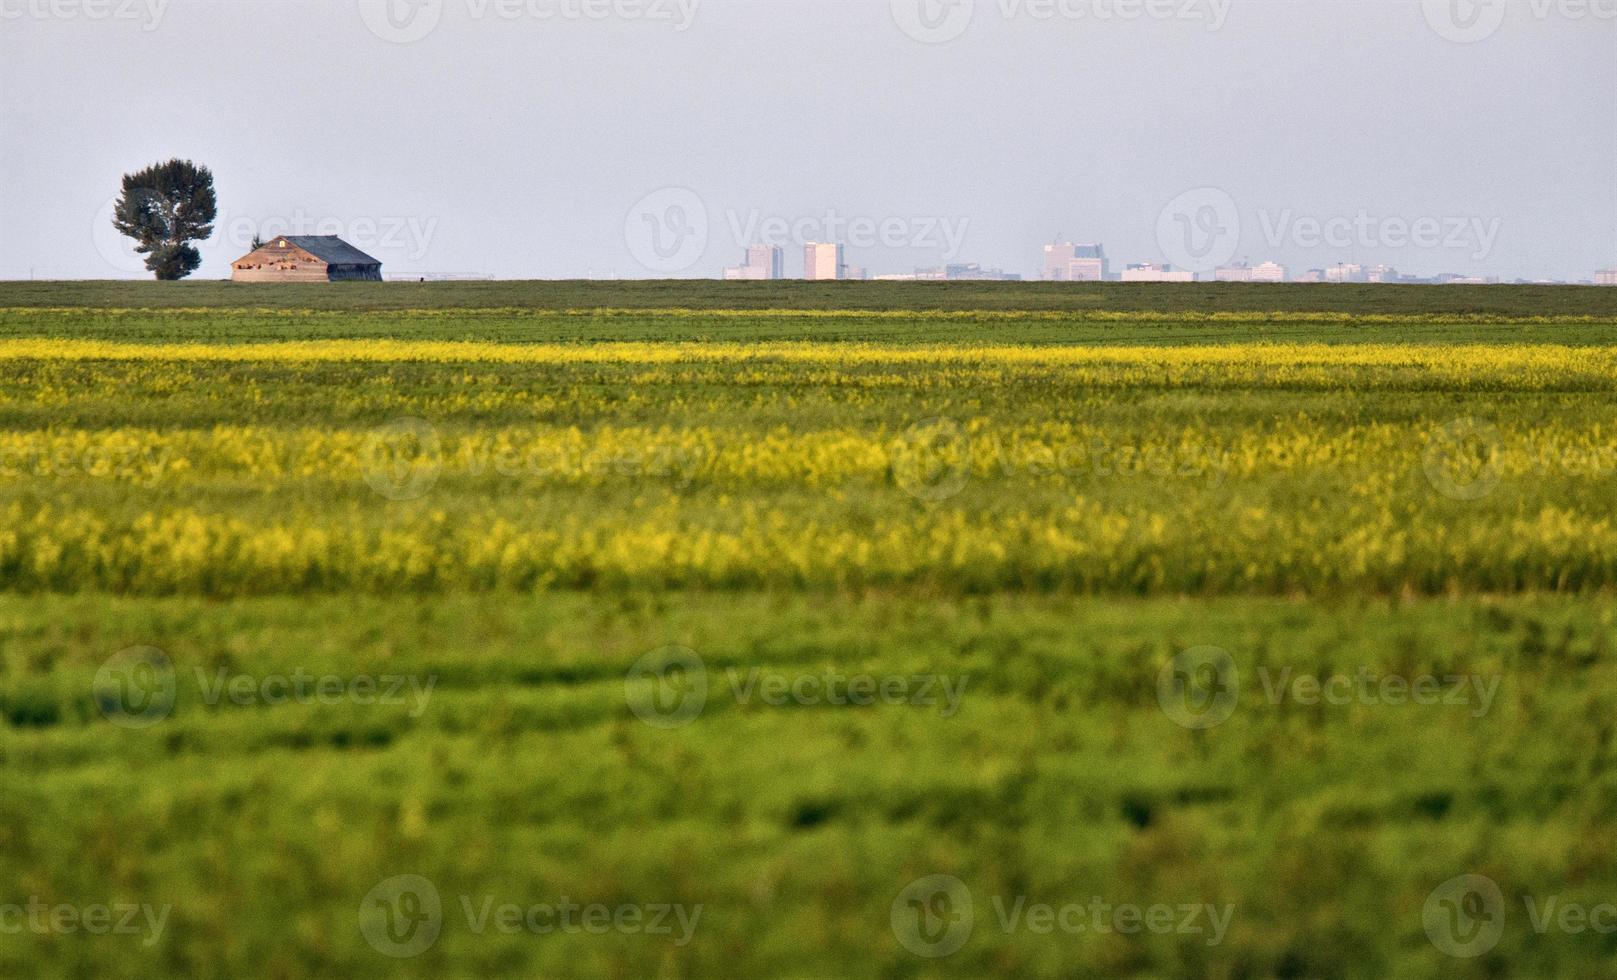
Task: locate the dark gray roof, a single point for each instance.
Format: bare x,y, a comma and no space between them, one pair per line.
331,250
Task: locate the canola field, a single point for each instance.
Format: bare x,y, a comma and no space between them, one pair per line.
808,640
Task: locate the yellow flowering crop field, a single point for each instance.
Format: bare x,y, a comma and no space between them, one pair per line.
381,465
836,642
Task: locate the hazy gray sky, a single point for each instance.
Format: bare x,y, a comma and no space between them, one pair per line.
564,138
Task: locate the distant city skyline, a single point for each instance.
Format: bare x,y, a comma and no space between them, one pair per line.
662,139
1088,262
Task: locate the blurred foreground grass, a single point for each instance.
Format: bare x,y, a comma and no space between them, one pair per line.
519,766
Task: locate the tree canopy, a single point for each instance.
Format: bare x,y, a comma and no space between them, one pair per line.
164,208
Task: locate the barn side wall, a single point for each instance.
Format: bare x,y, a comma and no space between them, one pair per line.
305,272
356,273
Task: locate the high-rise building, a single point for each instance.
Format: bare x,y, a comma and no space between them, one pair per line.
1067,262
771,257
1243,272
1345,272
1151,272
822,260
763,262
1381,273
1606,277
1268,272
973,271
954,272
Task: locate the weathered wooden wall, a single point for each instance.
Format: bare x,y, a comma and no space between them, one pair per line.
272,263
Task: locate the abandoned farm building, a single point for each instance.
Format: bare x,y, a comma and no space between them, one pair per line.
306,258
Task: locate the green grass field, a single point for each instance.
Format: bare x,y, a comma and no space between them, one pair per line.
730,630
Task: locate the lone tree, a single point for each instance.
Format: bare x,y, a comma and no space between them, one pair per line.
166,207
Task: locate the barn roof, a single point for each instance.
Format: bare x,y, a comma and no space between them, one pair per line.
330,249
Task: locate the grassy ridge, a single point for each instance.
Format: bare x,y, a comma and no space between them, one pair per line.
864,325
697,294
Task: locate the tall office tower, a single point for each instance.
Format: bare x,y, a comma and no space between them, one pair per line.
823,261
